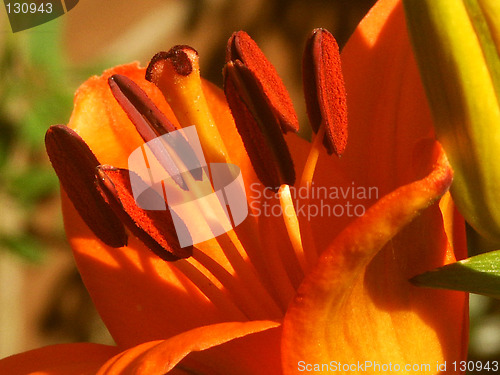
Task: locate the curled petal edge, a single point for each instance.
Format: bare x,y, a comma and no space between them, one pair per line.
324,291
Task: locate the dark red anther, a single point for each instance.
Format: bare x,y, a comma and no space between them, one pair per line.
151,123
263,140
262,110
149,120
75,165
324,89
243,48
154,228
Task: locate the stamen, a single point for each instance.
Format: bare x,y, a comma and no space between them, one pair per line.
177,74
223,302
75,164
154,228
327,110
247,274
239,292
324,89
254,248
306,182
144,114
283,286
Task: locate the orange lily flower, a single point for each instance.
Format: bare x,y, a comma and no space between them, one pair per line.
281,293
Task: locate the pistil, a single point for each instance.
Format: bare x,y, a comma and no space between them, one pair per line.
177,75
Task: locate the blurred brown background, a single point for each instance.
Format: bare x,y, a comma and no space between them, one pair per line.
42,300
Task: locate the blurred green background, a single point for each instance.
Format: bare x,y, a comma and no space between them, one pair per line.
42,299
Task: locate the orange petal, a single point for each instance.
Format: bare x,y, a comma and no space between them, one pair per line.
388,110
139,296
357,304
64,359
454,225
238,356
159,357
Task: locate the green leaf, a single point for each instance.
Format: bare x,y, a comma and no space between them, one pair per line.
479,274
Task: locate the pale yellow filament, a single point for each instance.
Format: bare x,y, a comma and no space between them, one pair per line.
312,158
